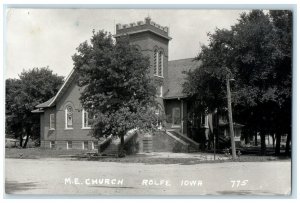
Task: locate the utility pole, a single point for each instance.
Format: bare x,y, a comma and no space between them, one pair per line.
231,132
215,120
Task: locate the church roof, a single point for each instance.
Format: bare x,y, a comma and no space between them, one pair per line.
45,104
51,102
176,77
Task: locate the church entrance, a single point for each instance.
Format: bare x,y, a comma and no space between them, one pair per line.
176,117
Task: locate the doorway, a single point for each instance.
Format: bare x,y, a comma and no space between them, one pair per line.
176,117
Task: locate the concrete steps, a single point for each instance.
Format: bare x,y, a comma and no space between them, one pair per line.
192,145
113,147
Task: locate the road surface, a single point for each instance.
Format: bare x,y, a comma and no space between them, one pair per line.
63,176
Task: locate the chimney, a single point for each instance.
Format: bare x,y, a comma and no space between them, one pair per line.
118,26
147,20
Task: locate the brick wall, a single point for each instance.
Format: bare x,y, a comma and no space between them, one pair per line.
62,144
60,133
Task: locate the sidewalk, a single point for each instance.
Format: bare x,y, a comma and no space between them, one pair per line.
199,155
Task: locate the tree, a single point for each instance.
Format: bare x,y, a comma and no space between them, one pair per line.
256,52
22,95
263,50
117,87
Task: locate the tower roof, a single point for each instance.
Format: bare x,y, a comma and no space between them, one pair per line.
143,26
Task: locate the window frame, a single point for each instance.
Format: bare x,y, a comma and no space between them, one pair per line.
66,118
52,119
52,146
160,66
93,145
83,144
68,145
155,62
83,119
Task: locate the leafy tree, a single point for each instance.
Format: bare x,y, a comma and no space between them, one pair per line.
208,82
117,86
256,52
282,21
263,50
22,95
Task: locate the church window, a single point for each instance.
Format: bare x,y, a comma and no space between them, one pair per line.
155,65
52,122
87,119
69,117
160,63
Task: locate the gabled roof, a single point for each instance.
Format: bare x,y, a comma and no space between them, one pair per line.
176,77
63,88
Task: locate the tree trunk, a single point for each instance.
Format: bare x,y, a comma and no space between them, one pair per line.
273,140
21,139
121,150
255,138
277,148
27,132
263,143
26,141
287,146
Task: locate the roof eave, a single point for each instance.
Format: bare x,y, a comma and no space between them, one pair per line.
37,111
175,97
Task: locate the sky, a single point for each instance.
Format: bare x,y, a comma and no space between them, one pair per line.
49,37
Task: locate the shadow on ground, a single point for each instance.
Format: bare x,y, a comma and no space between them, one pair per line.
12,187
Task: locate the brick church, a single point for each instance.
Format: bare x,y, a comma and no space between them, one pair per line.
65,124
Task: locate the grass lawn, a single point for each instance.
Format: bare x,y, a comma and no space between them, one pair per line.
189,159
36,153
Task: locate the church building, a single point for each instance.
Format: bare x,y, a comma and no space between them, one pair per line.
65,124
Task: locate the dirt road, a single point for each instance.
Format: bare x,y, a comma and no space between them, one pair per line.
62,176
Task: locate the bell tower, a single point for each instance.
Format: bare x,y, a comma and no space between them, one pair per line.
152,39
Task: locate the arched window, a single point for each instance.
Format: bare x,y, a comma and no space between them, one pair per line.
155,64
160,63
69,117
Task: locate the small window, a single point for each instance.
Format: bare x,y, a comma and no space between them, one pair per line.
52,122
69,117
85,145
95,145
52,145
69,144
87,118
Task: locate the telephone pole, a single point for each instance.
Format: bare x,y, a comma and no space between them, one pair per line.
231,132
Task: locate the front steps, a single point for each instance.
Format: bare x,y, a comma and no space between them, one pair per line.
192,145
164,141
113,147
